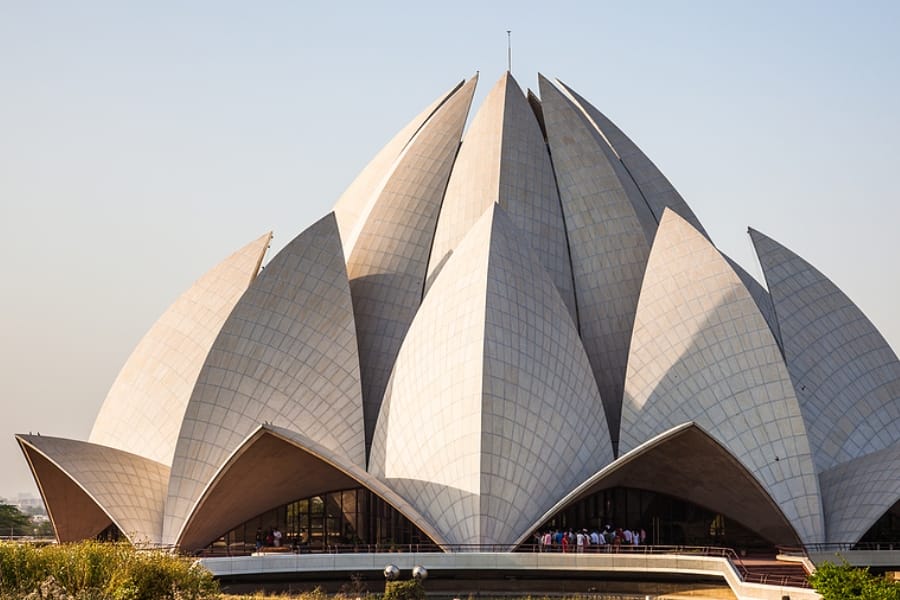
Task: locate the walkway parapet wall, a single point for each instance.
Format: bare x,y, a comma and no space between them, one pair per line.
549,563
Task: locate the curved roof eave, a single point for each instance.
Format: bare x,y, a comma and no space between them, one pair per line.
67,459
702,351
328,457
658,442
271,363
612,467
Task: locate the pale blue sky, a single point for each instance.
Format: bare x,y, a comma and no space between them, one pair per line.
142,143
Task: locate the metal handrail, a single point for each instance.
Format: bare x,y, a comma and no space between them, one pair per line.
743,573
849,546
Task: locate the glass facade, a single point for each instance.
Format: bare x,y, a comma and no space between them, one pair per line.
886,530
110,534
358,519
343,519
666,520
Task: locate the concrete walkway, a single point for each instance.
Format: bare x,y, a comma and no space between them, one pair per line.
500,565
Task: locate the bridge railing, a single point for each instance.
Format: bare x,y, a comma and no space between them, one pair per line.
729,554
848,546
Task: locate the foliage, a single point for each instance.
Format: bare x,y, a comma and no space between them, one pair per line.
410,589
13,521
42,528
844,582
356,588
100,571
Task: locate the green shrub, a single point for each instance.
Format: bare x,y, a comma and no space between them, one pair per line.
411,589
100,571
844,582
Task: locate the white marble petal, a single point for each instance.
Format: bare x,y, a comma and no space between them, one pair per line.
846,376
143,410
702,352
287,355
492,413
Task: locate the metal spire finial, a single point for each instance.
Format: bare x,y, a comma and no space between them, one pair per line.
509,50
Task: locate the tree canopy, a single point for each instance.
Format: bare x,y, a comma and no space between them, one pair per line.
13,521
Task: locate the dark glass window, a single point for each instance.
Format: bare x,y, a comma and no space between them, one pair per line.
340,520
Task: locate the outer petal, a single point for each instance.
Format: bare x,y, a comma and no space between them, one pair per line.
655,188
846,376
282,465
353,207
389,260
669,464
610,230
287,355
86,487
492,411
504,159
702,352
143,410
857,493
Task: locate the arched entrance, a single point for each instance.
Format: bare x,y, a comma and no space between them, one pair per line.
333,521
663,519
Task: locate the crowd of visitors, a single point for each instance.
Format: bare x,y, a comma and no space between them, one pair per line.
582,540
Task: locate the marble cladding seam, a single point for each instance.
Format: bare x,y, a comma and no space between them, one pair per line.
543,425
426,443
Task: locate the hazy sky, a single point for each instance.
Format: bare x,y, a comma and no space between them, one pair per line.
141,143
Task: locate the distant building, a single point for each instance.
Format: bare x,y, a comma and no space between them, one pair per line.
491,335
28,503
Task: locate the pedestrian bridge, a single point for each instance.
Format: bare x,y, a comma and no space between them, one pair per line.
653,563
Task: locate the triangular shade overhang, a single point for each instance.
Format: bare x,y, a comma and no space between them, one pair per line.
287,355
283,466
688,463
87,487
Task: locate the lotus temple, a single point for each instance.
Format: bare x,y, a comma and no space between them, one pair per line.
500,330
